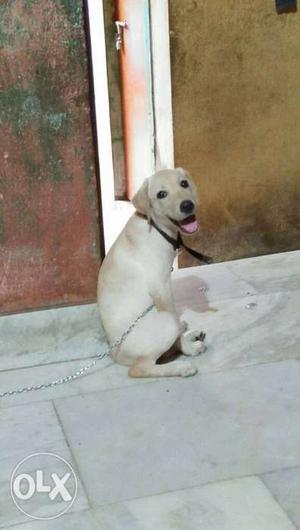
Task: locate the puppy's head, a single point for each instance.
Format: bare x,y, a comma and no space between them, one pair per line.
169,197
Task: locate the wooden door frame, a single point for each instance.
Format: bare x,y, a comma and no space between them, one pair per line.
115,213
162,86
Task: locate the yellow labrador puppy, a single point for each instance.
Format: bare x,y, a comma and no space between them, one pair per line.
137,273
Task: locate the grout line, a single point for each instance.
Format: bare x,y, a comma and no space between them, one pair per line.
55,322
149,381
188,488
203,374
23,524
261,477
281,469
51,363
95,507
103,340
71,453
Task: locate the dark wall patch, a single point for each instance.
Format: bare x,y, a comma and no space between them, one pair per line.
236,107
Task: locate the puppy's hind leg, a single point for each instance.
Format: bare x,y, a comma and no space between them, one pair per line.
145,368
152,337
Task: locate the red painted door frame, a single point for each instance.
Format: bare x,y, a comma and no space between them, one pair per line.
137,92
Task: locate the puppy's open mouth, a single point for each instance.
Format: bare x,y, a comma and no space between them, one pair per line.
189,225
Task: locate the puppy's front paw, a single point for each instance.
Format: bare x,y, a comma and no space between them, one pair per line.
188,370
192,342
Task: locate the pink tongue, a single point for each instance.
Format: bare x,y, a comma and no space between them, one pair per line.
190,227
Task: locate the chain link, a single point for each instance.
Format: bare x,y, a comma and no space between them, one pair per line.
84,369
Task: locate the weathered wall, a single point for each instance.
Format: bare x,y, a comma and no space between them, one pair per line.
49,228
236,103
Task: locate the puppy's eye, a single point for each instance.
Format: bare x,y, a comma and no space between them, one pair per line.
161,194
184,184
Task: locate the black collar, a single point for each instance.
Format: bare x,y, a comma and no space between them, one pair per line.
177,243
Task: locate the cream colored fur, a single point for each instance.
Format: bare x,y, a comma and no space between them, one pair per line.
137,272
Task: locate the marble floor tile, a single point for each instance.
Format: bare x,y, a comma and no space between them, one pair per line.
26,430
285,487
236,336
269,273
72,333
79,331
242,331
106,376
150,447
27,338
242,504
196,288
54,335
83,520
173,434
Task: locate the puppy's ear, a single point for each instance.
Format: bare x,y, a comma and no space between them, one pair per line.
182,171
141,200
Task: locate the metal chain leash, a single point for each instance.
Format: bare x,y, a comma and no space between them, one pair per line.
82,370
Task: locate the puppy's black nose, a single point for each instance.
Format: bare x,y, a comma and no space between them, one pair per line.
186,206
